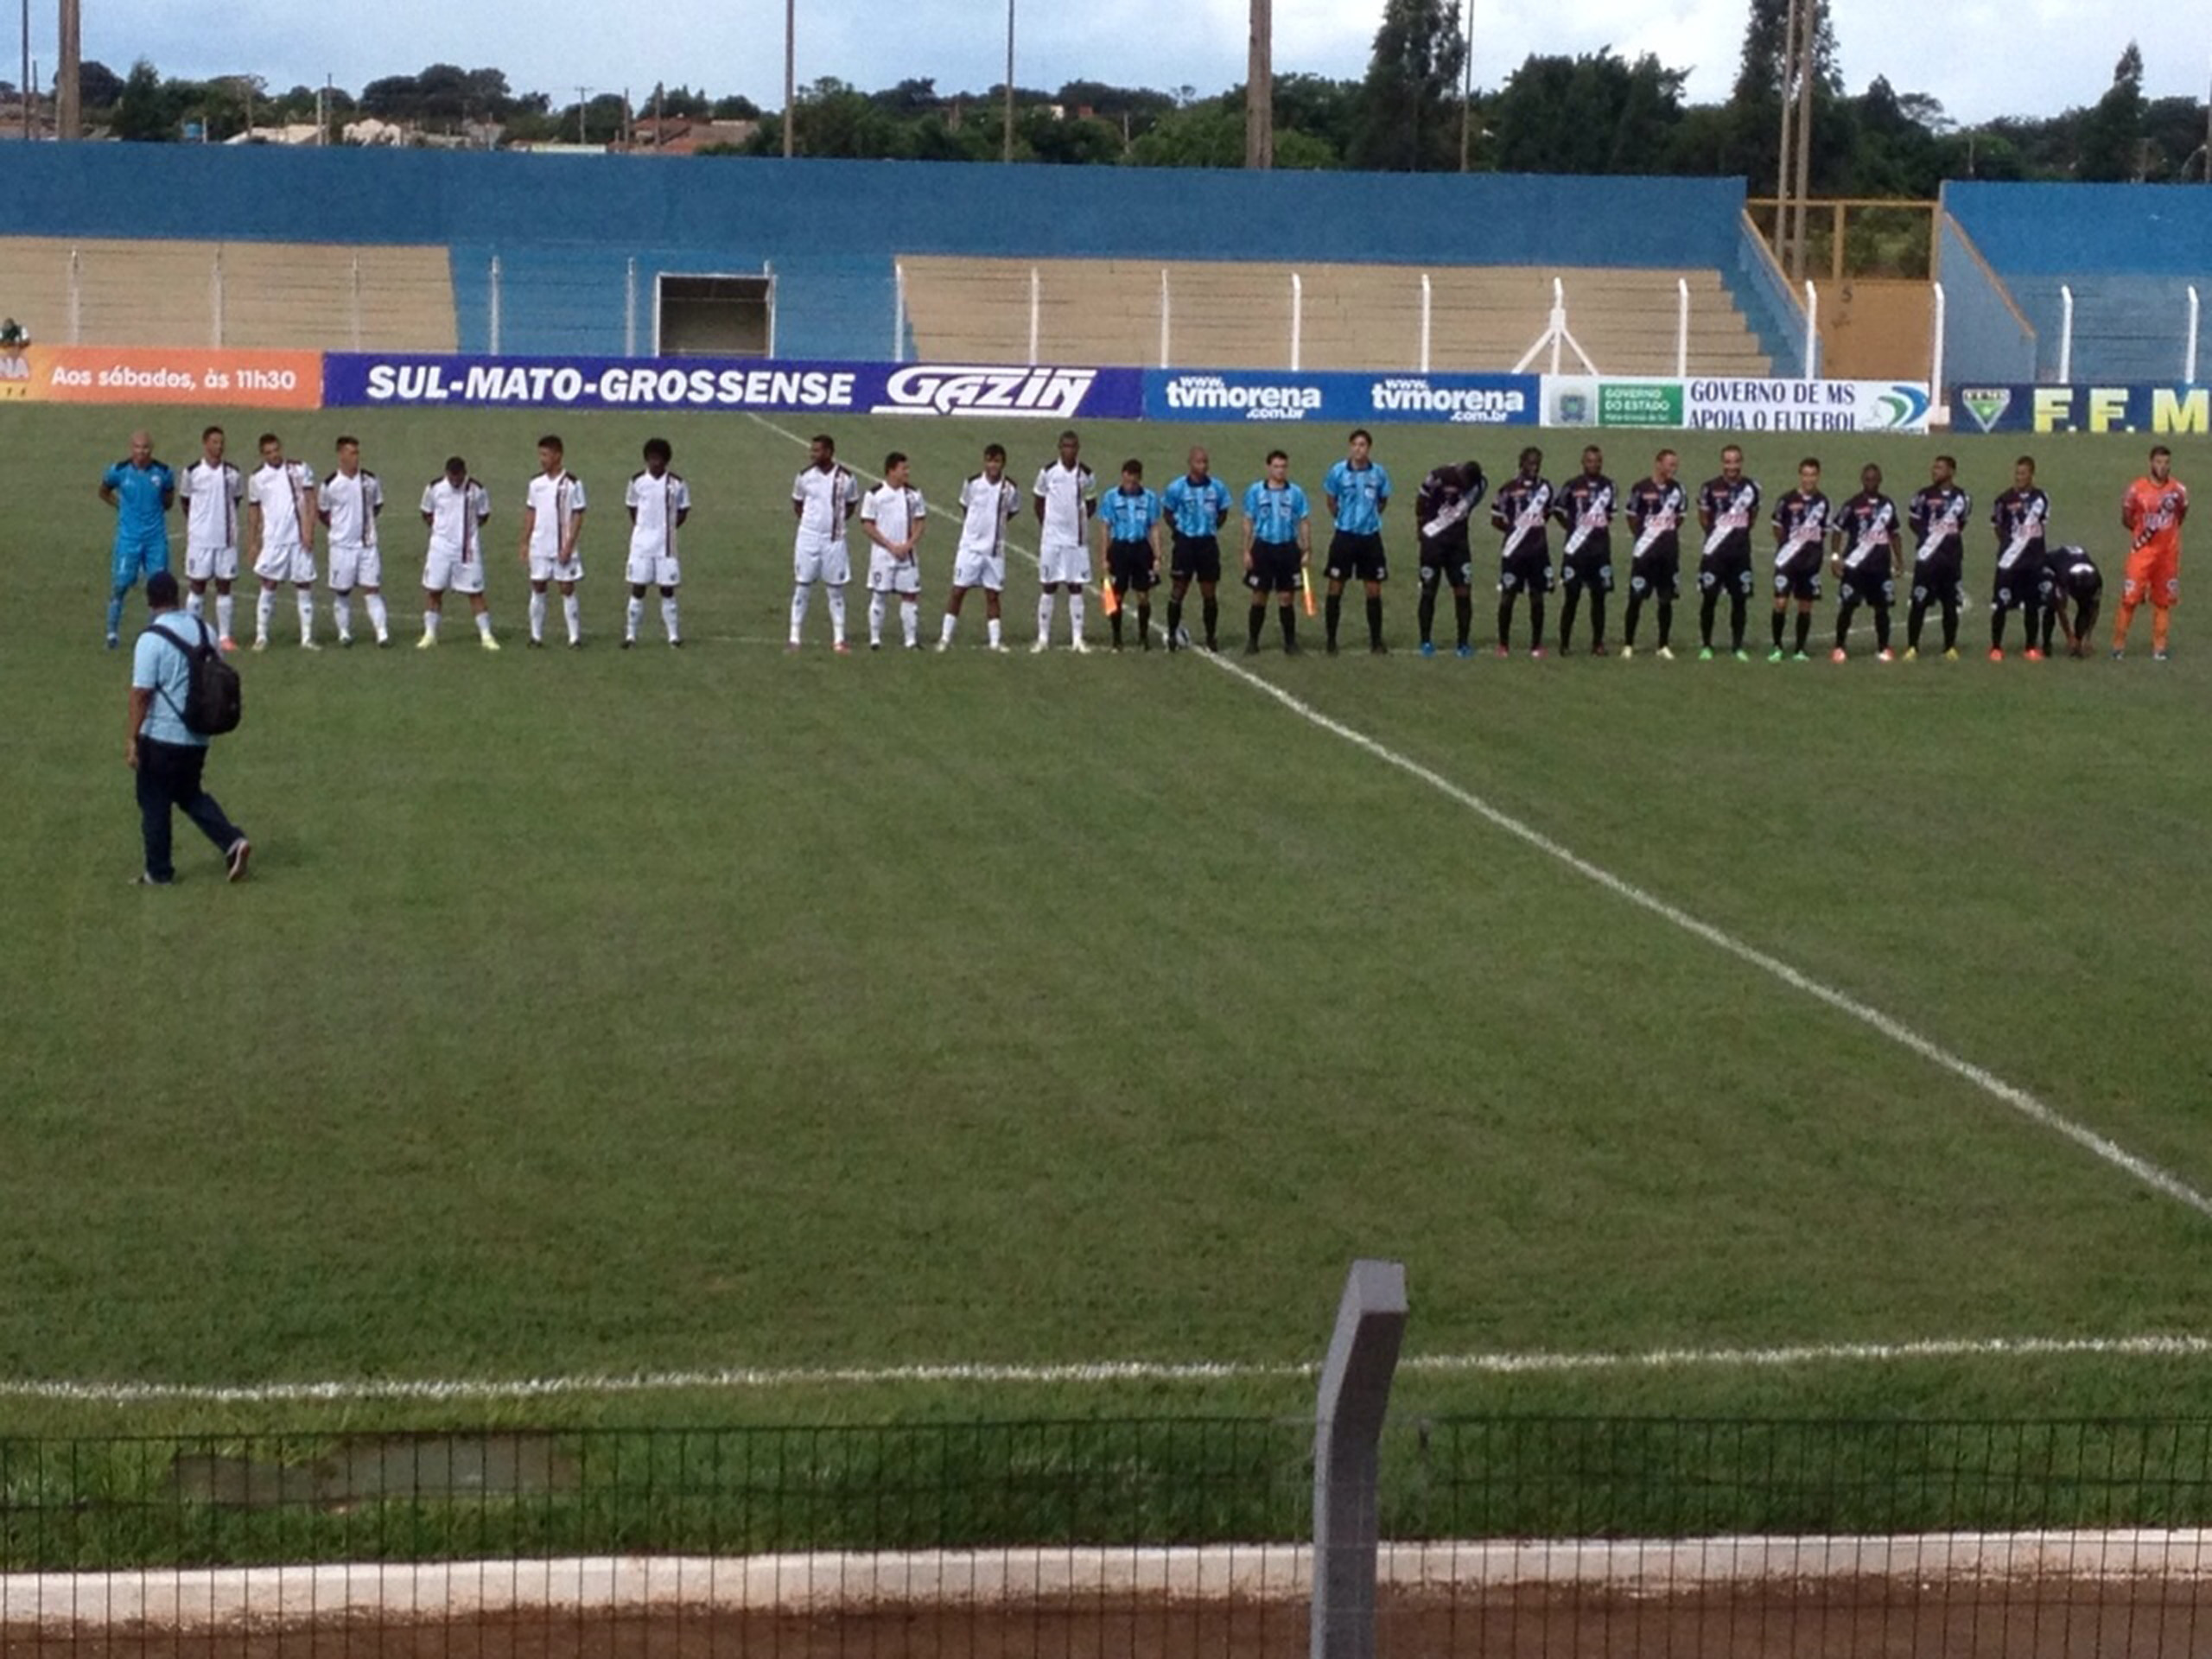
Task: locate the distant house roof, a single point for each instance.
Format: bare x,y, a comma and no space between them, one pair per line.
687,134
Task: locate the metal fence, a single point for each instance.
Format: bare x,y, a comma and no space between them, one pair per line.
1501,1535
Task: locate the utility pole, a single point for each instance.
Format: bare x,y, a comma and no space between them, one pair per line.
68,117
24,85
791,75
1807,39
1007,144
1260,88
580,138
1784,173
1467,89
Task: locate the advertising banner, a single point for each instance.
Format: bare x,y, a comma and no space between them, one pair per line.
394,379
2165,412
1266,396
1717,405
153,374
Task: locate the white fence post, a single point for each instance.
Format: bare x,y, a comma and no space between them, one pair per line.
630,308
1166,316
1812,331
2065,334
1427,320
1559,313
1297,321
353,282
215,298
899,311
1682,327
1935,347
76,297
2188,358
768,271
494,331
1036,310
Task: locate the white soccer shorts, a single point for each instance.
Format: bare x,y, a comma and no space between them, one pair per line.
650,571
446,568
354,566
543,567
285,562
1068,561
211,563
984,570
888,576
817,558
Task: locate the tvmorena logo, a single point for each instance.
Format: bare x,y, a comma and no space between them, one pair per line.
1211,394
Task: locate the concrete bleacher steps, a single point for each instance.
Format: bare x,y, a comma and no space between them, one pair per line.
1226,315
265,294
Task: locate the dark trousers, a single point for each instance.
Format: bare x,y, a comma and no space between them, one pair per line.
168,776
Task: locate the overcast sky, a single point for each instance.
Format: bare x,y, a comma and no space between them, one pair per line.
1982,58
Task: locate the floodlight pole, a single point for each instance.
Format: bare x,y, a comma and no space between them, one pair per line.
1260,88
1467,93
1355,1393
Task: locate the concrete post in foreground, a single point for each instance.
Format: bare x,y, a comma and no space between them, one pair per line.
1347,1456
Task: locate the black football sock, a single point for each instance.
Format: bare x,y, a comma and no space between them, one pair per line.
1287,616
1997,629
1505,621
1666,623
1144,626
2049,625
1804,629
1535,621
1463,612
1635,615
1708,607
1209,609
1916,621
2085,620
1426,614
1569,603
1259,621
1597,619
1738,609
1332,607
2032,615
1114,621
1375,621
1174,618
1950,625
1882,627
1844,612
1777,629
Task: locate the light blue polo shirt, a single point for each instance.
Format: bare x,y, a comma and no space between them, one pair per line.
1275,514
158,666
1129,514
1197,509
1360,492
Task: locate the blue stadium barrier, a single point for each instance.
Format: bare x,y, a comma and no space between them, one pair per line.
1776,315
1987,341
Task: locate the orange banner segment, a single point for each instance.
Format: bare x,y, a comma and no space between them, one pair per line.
155,374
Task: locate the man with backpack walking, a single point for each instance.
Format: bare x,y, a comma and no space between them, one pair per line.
183,693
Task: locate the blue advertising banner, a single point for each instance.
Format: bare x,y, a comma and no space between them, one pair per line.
1340,399
400,380
2167,411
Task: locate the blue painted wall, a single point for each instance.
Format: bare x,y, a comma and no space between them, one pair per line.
1984,343
565,226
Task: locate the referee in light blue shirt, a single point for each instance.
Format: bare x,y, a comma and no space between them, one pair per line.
1196,505
1129,526
140,489
1277,539
1359,493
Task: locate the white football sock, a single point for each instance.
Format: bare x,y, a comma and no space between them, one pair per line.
1045,615
307,615
536,615
944,633
225,605
668,617
192,602
637,615
1075,614
379,619
992,628
341,613
837,616
572,612
800,595
430,625
875,619
484,623
910,620
263,608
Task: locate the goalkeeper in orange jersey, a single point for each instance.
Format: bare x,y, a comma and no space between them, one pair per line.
2153,511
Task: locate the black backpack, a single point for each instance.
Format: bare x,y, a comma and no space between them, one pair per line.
213,701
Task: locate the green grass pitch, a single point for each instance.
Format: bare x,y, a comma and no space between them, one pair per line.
631,1012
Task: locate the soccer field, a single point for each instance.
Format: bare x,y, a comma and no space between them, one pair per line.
652,1011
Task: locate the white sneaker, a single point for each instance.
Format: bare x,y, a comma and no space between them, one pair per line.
1666,653
346,641
309,644
1078,647
261,642
1001,649
1040,647
944,645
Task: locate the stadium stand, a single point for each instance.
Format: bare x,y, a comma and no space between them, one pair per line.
582,241
2129,252
1225,315
239,294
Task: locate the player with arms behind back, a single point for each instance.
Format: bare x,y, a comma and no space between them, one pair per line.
1938,515
893,517
1584,509
210,493
660,501
2154,511
1801,529
455,507
1358,491
1726,507
1065,494
552,521
140,489
1277,539
348,503
1196,505
1656,509
280,518
1520,509
1445,508
988,502
2021,515
1867,559
824,497
1128,534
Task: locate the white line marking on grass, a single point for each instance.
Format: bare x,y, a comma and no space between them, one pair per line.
762,1379
2011,1095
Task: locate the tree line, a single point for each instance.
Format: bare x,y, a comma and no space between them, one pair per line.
1596,112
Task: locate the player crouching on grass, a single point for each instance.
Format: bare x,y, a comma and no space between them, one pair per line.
988,502
660,501
892,516
1128,534
2075,581
455,507
1866,559
1800,528
552,520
